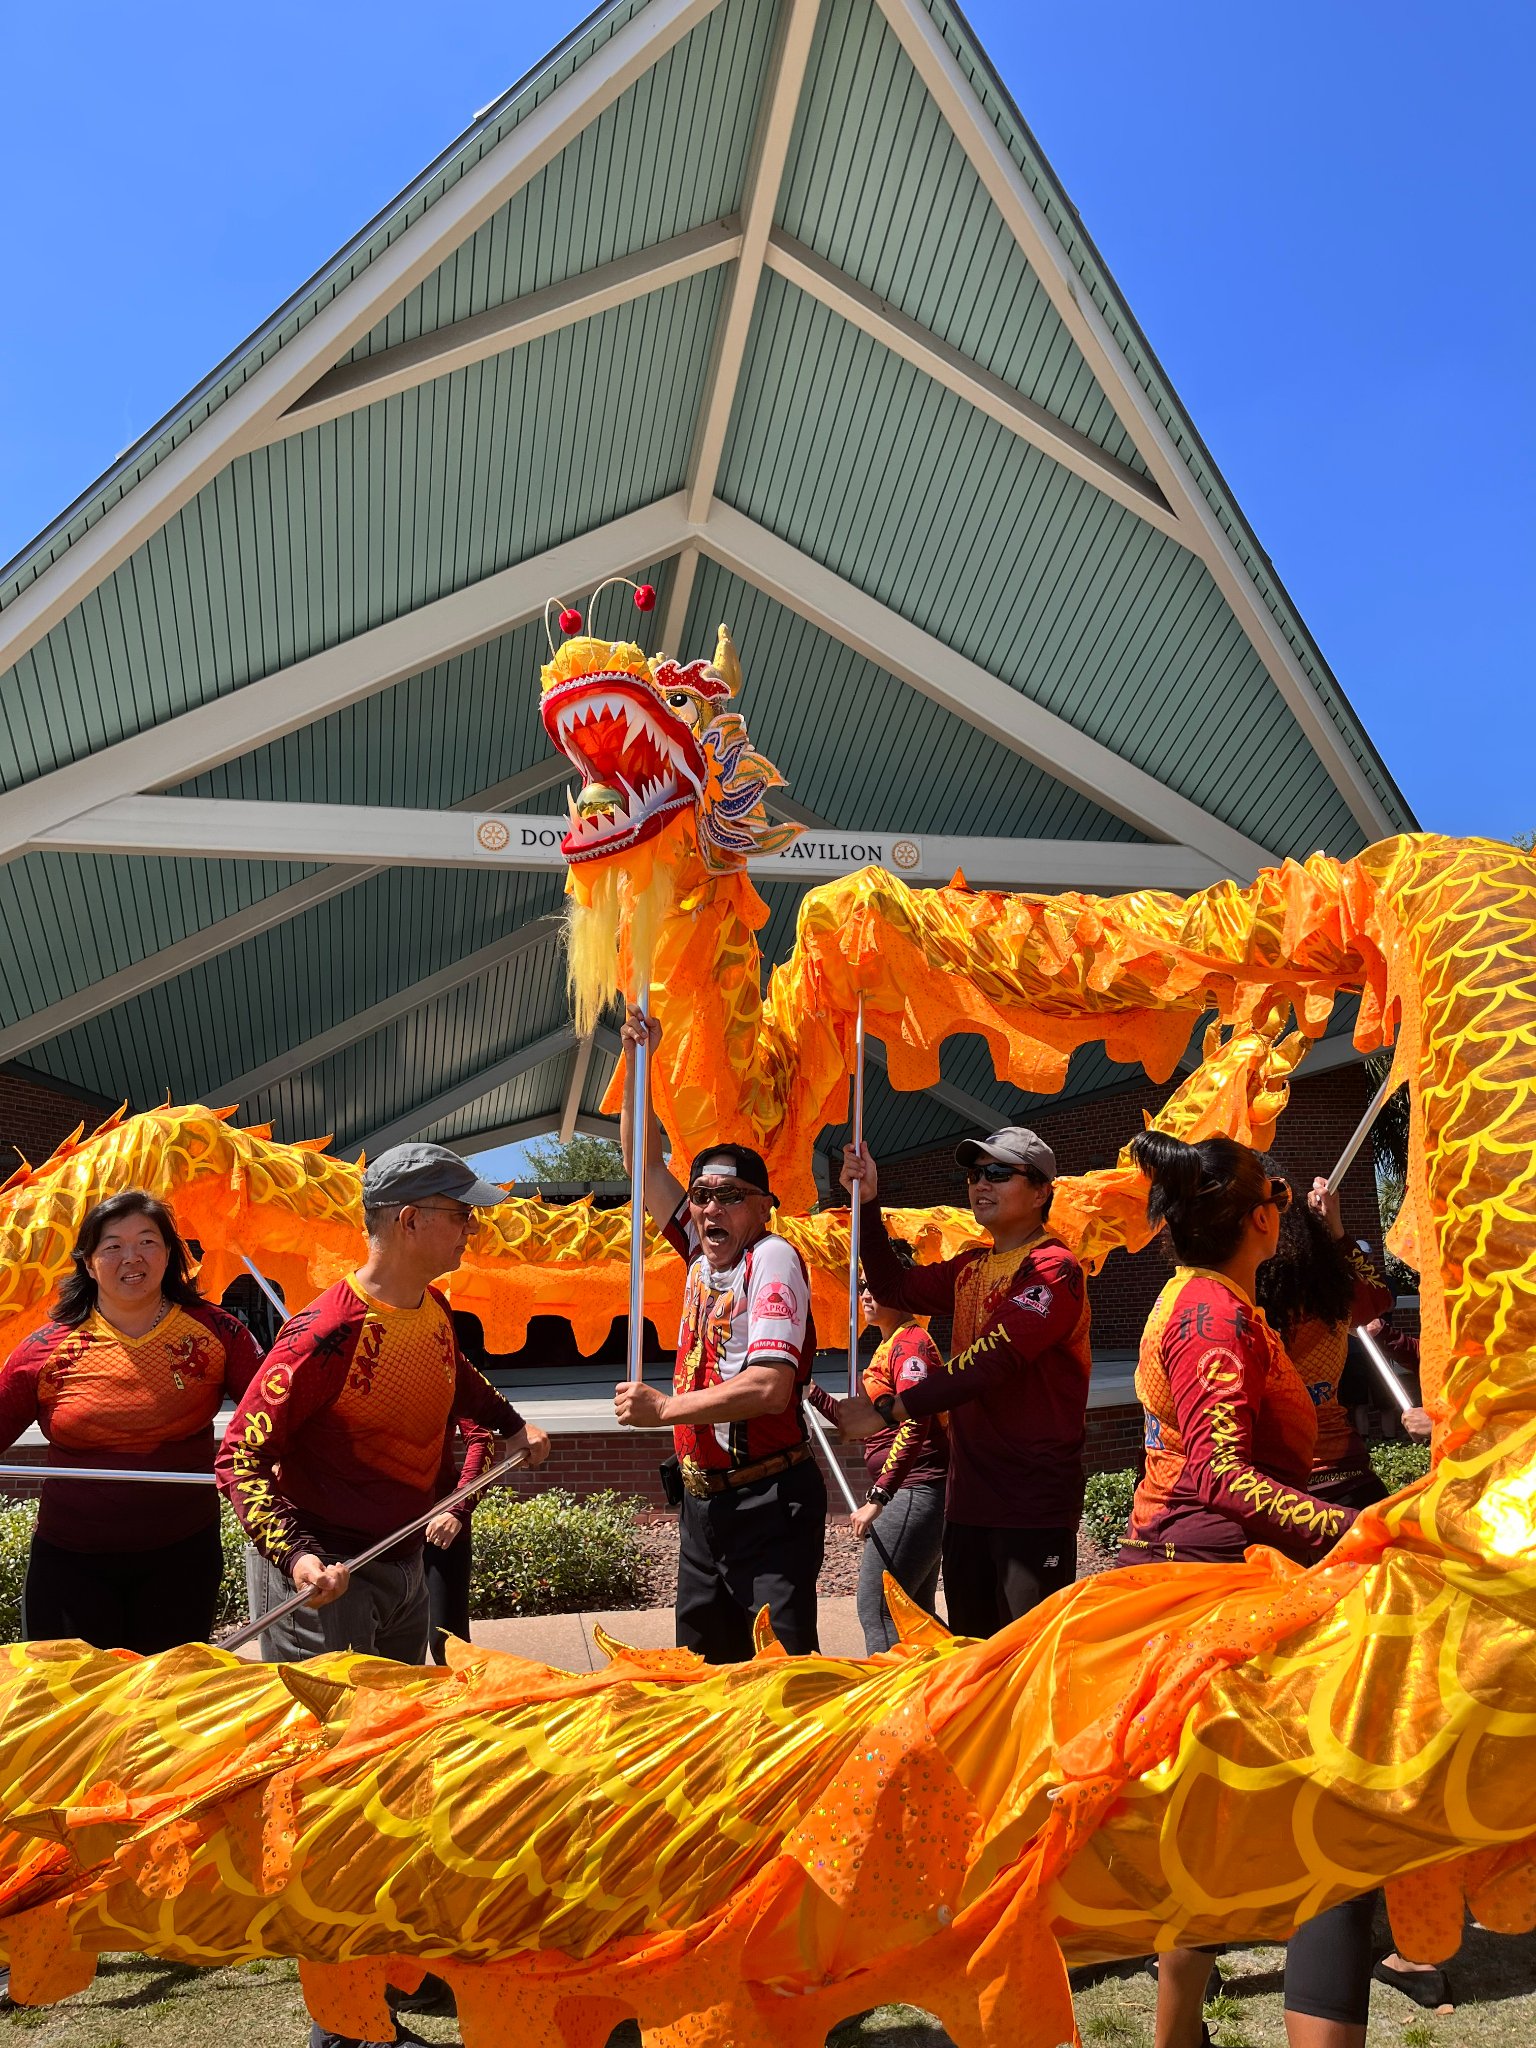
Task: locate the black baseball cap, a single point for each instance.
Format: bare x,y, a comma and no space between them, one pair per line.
748,1166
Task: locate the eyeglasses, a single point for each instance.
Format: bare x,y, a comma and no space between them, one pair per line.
452,1209
1279,1194
704,1192
990,1170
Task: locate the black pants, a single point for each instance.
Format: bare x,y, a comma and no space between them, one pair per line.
992,1576
739,1552
144,1600
448,1590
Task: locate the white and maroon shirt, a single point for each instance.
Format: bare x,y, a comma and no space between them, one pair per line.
757,1312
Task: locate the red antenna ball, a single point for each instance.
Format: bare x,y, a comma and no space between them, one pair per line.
645,597
570,620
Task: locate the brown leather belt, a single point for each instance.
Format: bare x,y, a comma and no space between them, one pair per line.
704,1483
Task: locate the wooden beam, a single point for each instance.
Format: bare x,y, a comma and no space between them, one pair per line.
983,700
765,174
309,1052
226,933
353,385
371,661
455,1097
236,828
531,1127
574,1087
924,349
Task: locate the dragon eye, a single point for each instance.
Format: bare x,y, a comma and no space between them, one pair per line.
685,704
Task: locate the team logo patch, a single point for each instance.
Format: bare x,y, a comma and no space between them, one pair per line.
776,1300
1036,1299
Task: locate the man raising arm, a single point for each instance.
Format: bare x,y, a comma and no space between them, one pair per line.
752,1521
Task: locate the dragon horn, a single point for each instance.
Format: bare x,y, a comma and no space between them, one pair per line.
727,662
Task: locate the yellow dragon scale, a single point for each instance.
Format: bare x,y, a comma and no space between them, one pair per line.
747,1855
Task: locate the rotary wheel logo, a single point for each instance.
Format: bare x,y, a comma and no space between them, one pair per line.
493,835
906,854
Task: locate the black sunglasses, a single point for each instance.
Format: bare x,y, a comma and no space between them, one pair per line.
1279,1194
702,1193
989,1169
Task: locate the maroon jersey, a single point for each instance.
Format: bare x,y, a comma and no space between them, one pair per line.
1016,1388
145,1402
1230,1433
917,1452
342,1436
758,1312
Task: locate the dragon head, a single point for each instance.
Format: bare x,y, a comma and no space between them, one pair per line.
670,804
653,740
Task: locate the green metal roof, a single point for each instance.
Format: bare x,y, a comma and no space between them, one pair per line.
904,404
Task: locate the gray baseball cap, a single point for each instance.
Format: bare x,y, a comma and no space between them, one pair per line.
1011,1147
412,1173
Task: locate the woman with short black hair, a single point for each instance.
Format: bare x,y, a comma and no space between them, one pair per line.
128,1373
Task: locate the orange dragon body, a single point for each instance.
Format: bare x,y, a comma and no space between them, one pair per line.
1169,1754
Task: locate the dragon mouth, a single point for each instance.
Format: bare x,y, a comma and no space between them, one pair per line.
639,765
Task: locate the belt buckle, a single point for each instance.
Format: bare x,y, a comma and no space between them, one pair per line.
694,1480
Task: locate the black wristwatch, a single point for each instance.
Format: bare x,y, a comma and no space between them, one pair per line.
878,1497
884,1406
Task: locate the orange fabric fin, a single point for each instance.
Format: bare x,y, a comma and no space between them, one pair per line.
45,1965
913,1624
1427,1910
348,1998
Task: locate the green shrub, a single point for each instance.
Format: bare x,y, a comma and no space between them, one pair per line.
1107,1507
16,1520
554,1554
551,1554
1400,1463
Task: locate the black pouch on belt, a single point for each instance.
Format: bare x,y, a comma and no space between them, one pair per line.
672,1483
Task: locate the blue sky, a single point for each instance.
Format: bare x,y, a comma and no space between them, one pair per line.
1320,216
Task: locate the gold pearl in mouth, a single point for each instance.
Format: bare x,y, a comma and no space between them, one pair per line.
597,796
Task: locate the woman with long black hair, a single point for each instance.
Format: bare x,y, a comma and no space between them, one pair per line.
128,1372
1231,1431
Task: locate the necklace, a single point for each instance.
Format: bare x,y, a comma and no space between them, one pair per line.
138,1337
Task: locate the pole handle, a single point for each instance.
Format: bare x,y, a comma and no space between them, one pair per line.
284,1608
1383,1365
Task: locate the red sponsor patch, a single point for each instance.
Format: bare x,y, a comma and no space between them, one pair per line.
776,1300
1036,1299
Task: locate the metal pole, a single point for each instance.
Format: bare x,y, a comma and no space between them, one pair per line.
441,1507
855,1319
1346,1157
639,1150
105,1472
819,1428
266,1287
1383,1365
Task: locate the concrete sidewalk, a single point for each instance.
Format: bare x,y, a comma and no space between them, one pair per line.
565,1640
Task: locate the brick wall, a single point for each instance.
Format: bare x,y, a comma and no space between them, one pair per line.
1317,1124
37,1114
